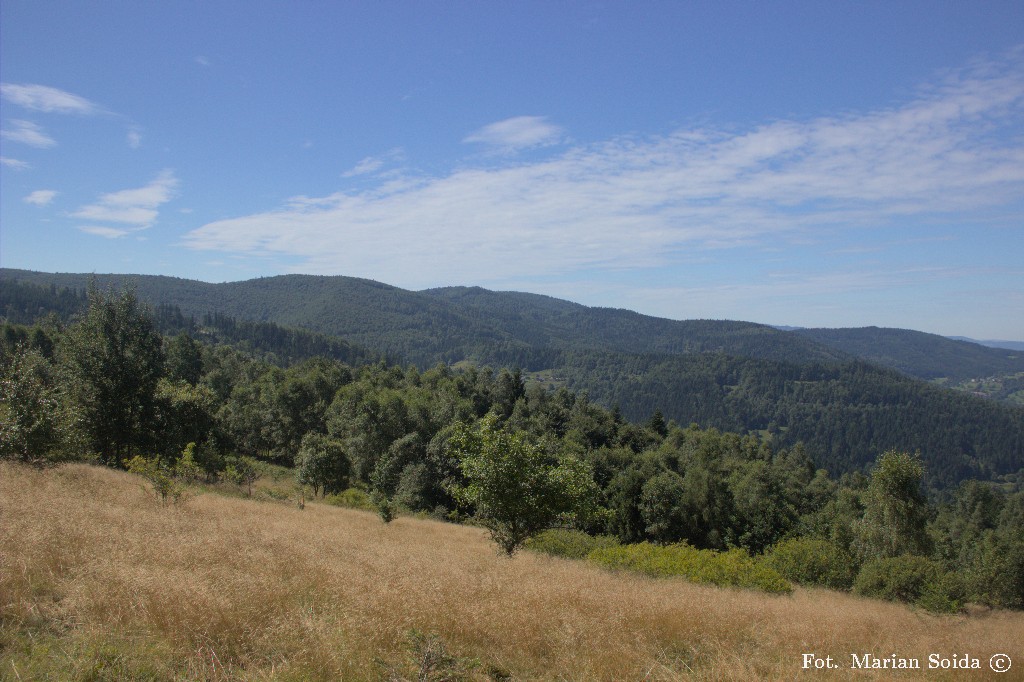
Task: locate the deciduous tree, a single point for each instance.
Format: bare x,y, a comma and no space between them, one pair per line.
516,489
113,359
895,509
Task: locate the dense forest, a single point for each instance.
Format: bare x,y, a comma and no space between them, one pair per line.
108,387
732,376
925,356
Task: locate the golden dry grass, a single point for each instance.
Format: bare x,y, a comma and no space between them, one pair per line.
98,581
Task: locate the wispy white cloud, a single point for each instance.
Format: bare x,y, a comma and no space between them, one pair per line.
520,132
637,202
46,99
40,197
134,137
368,165
27,132
14,164
106,232
134,207
372,164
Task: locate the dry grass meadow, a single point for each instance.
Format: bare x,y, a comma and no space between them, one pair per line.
98,581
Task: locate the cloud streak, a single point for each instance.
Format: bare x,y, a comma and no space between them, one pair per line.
513,134
641,202
40,197
14,164
27,132
46,99
135,209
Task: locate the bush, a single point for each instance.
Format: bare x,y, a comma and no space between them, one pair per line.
733,568
160,476
353,498
512,485
812,561
570,544
912,579
384,506
242,471
186,470
943,595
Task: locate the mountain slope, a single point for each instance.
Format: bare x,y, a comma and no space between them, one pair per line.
926,356
450,324
545,321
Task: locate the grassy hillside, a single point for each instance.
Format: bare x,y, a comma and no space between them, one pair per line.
99,582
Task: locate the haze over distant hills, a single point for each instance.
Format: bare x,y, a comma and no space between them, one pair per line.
992,343
848,394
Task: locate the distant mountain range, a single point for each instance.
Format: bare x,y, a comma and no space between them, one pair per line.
848,394
992,343
926,356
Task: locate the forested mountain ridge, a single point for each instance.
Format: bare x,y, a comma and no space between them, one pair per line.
449,324
22,303
547,321
992,343
734,376
457,323
925,356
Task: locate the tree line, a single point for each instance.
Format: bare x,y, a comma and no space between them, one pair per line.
491,445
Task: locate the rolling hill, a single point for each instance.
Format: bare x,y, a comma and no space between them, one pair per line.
921,355
451,324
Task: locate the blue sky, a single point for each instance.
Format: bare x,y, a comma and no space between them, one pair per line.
803,163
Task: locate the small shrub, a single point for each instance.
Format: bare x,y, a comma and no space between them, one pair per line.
430,661
570,544
162,479
242,471
353,498
912,579
812,561
384,506
187,470
733,568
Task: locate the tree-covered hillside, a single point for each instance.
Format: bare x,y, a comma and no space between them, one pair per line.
543,321
921,355
452,324
840,411
733,376
22,303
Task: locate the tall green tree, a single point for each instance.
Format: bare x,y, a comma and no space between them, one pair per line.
661,505
895,509
322,464
184,359
186,413
113,360
516,489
